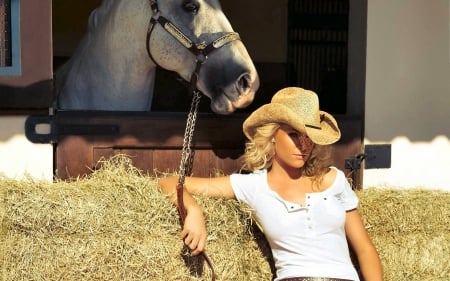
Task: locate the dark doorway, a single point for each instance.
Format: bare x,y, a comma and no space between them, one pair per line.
318,50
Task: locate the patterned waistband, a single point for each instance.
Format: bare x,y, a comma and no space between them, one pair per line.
313,279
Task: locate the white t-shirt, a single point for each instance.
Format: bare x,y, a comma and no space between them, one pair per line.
305,240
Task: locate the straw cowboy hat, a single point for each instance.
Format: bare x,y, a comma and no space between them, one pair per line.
298,108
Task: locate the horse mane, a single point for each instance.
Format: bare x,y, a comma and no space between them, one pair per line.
96,19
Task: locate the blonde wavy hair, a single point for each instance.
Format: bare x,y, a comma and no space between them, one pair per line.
259,153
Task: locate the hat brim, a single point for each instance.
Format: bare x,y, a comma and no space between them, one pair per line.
327,133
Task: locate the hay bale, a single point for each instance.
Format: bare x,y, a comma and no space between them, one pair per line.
115,225
411,230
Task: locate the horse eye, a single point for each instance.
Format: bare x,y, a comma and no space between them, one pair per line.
191,7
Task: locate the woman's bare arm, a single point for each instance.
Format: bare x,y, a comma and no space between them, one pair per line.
368,258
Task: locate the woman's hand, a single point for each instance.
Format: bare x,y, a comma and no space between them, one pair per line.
194,230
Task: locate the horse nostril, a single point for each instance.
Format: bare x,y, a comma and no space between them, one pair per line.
243,83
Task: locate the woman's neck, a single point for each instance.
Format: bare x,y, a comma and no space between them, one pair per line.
279,171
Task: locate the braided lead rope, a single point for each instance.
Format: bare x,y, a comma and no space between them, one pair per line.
186,164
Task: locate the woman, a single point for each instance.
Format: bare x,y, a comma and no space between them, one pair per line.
305,207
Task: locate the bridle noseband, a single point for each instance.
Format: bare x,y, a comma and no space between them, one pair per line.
200,50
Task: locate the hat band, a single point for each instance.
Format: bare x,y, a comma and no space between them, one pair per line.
322,117
312,126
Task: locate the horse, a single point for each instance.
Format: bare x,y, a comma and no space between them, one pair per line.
113,67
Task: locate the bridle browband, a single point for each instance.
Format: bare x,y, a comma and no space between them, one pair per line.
200,50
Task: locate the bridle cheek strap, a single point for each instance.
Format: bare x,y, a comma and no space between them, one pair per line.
200,51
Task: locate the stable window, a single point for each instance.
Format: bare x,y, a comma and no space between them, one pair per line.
9,38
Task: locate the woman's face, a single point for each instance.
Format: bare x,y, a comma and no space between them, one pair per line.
292,148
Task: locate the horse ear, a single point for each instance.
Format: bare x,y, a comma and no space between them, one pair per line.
101,11
93,21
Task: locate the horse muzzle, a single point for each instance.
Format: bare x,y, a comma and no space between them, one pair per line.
246,87
237,95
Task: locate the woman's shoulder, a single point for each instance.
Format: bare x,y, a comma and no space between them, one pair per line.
249,185
261,174
332,177
252,173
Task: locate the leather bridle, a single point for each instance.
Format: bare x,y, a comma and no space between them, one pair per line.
199,50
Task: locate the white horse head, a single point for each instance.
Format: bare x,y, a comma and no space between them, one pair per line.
112,69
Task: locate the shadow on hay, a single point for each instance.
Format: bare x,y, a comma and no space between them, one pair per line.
264,247
196,264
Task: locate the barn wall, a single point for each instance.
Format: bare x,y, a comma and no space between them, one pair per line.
29,91
408,91
31,88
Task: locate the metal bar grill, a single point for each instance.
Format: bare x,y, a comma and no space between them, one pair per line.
317,49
